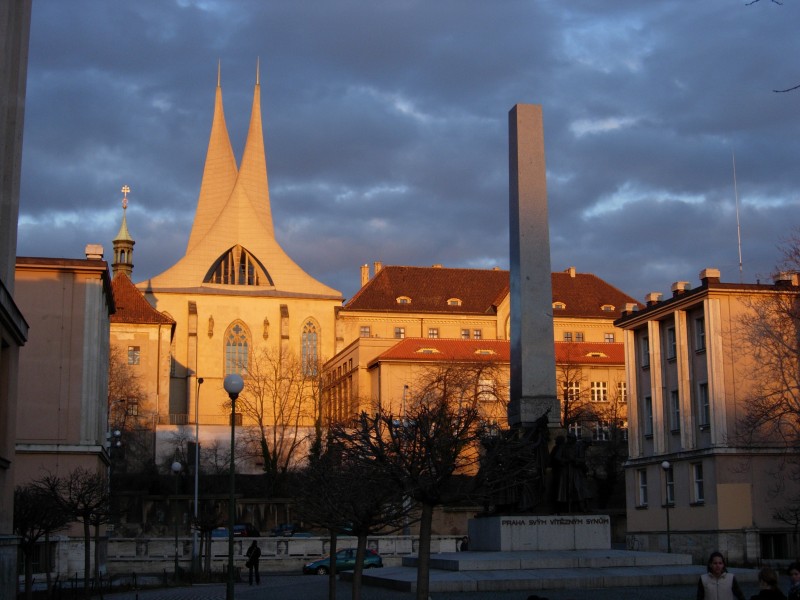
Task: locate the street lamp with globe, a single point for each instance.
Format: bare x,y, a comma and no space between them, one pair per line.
233,384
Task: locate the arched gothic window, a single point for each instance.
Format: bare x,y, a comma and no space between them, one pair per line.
237,347
310,349
238,267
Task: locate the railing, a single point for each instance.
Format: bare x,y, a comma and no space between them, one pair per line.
183,419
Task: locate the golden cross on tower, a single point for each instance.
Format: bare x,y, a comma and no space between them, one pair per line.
125,190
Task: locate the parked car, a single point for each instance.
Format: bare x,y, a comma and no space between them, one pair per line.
284,530
239,530
345,561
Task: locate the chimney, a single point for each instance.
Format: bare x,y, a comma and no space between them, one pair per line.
571,272
709,275
680,287
653,298
94,252
630,307
785,278
364,274
378,266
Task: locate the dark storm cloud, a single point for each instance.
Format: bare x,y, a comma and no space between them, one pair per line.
386,129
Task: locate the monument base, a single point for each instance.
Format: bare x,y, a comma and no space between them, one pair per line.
549,532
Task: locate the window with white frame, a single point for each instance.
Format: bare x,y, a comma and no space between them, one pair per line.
609,338
599,391
669,486
486,390
672,351
700,333
567,336
399,333
578,336
622,392
703,406
698,493
133,355
575,429
364,331
645,351
465,334
477,334
641,481
572,390
674,411
602,431
433,332
648,415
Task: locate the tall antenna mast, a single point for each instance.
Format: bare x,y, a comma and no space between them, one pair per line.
738,225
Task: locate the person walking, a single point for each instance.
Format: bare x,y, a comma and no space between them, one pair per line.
794,578
718,584
768,586
253,554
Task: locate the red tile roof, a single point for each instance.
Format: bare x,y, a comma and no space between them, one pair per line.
132,307
590,353
480,292
458,350
447,350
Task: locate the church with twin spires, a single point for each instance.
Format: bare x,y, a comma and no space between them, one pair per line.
235,293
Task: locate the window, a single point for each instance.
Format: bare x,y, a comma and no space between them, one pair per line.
645,351
454,302
648,415
572,391
309,352
477,334
674,411
607,308
465,334
599,391
404,300
567,336
698,493
601,431
236,349
433,332
671,344
700,333
609,338
669,486
578,336
132,407
238,267
559,306
703,406
575,429
399,333
622,391
486,391
133,355
641,480
364,331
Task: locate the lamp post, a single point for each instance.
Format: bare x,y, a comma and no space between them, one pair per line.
176,470
666,466
195,557
233,384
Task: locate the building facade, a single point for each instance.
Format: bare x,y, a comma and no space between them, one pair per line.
696,481
63,367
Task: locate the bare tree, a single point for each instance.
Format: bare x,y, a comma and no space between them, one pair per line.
83,495
280,398
576,405
37,514
422,452
129,417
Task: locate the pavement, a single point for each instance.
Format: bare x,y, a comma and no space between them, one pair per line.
312,587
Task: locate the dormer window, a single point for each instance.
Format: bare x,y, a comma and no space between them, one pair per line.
427,351
559,306
596,355
484,352
607,308
403,300
454,302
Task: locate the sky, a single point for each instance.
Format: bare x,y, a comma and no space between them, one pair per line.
386,129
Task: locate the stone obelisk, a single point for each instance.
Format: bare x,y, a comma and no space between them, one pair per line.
533,366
